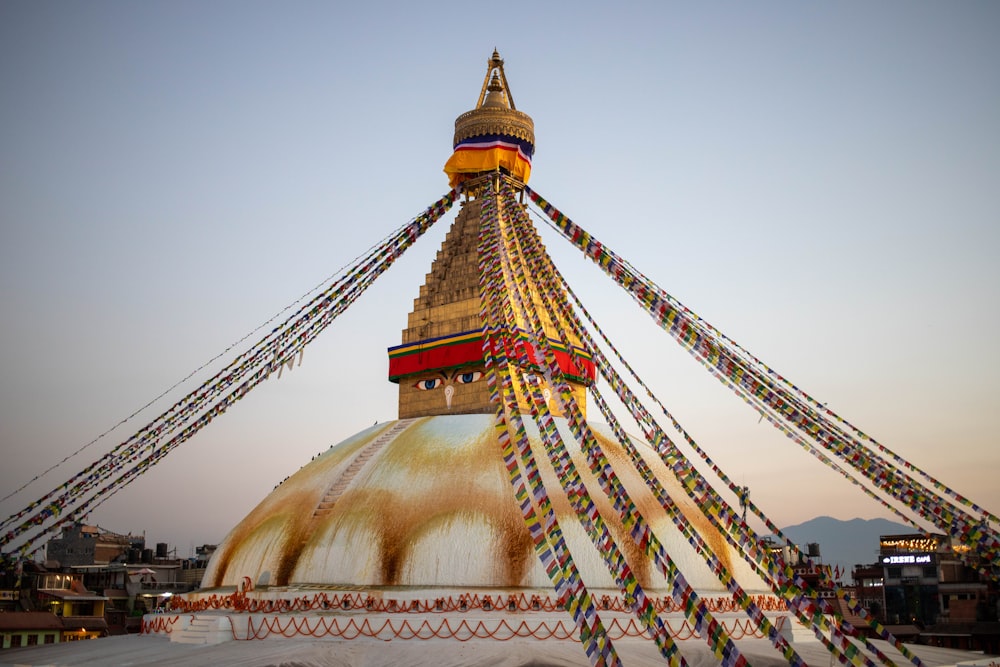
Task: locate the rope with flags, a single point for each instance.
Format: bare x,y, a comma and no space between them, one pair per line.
279,348
546,537
794,593
796,597
783,399
805,603
608,372
550,281
694,607
530,385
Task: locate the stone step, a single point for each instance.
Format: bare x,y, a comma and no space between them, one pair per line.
337,489
200,632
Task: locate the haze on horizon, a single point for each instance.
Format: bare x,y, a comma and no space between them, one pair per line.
818,181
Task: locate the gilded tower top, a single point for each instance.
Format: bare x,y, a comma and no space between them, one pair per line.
495,112
494,135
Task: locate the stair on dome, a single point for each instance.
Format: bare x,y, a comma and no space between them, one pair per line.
337,489
203,631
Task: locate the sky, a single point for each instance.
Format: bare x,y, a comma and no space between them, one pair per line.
817,180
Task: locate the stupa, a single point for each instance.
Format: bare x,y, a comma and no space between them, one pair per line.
411,529
491,523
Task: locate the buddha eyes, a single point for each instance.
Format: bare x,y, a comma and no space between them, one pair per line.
466,378
432,383
458,378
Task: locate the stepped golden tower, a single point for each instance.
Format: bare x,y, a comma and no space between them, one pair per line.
439,365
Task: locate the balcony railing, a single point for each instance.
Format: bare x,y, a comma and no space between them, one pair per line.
166,586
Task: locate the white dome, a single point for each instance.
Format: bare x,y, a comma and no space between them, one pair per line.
427,503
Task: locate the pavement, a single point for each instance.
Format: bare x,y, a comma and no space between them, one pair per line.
151,650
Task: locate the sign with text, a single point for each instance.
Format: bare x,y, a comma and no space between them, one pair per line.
907,559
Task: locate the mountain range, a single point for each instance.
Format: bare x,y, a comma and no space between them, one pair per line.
844,543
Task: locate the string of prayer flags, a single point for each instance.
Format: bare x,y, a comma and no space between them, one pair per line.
785,400
98,481
547,537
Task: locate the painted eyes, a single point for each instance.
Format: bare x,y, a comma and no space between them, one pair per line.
432,383
459,378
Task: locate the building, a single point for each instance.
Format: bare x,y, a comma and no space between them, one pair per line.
79,544
969,604
56,603
868,587
38,606
29,628
910,577
928,588
81,611
965,595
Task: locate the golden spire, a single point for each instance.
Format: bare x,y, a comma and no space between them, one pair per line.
494,66
495,114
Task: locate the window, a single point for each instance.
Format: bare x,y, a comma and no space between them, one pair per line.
32,640
50,639
894,572
930,571
15,641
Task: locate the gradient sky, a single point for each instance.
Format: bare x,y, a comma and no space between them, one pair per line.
818,180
